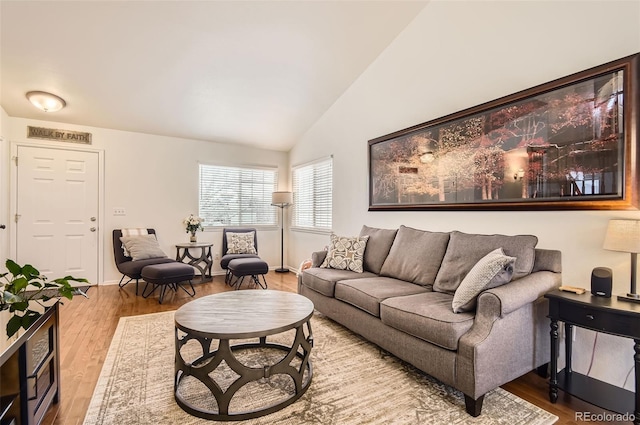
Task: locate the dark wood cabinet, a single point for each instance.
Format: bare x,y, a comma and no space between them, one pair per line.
29,370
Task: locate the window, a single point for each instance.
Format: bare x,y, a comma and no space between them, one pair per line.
312,195
235,196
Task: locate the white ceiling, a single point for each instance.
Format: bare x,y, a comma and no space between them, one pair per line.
257,73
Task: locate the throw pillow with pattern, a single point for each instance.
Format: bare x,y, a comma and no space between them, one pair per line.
241,243
491,271
346,253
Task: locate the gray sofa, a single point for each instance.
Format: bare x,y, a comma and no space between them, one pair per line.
402,301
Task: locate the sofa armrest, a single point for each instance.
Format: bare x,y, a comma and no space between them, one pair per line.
317,258
518,293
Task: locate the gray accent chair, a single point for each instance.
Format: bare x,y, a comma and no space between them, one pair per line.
226,258
131,269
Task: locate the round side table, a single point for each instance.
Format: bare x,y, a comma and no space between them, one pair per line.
203,262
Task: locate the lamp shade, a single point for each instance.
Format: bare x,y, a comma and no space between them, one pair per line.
281,198
623,235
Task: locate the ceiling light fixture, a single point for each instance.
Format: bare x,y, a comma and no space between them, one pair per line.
46,101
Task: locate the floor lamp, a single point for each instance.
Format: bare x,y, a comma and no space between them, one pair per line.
624,235
282,200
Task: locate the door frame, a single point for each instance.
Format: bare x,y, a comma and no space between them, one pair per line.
13,196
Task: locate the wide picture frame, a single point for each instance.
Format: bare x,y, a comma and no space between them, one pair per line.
567,144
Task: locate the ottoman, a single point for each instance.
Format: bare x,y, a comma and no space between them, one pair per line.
167,274
253,267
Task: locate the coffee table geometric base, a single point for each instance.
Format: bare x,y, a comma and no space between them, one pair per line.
295,363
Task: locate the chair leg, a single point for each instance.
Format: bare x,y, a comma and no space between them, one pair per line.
193,290
238,282
122,285
153,289
162,291
265,281
256,281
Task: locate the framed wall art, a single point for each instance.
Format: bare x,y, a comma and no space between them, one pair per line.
567,144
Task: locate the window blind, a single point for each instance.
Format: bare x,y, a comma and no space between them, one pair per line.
312,195
237,196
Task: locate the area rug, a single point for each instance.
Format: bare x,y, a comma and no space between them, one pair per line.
354,382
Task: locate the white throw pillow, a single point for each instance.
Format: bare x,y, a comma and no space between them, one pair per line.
241,243
142,247
346,253
492,270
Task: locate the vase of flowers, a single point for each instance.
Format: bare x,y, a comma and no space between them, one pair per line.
22,286
193,224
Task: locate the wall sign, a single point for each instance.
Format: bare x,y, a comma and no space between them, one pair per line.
58,135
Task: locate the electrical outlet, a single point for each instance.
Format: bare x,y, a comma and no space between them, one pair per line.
119,211
217,257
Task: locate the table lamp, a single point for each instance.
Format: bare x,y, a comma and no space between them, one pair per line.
624,235
282,200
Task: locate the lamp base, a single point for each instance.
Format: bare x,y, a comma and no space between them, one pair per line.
634,298
285,270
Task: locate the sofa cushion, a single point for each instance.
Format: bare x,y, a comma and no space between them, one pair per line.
415,255
465,250
366,294
346,253
427,316
378,246
324,280
493,270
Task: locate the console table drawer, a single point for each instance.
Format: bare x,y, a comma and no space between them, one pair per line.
598,319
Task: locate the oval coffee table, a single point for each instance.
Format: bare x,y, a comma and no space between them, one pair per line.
242,315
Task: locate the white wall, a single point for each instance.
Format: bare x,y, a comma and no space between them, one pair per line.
455,55
4,187
156,180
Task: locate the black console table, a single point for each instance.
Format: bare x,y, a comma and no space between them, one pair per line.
29,368
203,262
598,314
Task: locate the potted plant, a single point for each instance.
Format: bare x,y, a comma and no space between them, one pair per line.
24,284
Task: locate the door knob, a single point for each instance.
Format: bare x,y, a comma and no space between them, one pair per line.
93,229
2,226
93,219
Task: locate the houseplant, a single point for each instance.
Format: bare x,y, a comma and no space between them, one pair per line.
21,285
193,224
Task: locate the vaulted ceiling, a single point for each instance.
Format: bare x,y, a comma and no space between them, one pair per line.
257,73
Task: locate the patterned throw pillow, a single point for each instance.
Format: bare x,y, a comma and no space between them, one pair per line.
346,253
494,269
241,243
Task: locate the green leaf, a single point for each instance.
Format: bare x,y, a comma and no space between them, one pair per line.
20,306
18,285
13,268
10,298
29,317
30,271
13,325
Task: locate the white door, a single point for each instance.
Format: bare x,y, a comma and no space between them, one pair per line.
57,211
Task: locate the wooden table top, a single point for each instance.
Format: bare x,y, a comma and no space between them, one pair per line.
243,314
194,245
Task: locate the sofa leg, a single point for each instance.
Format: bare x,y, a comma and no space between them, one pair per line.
474,407
543,371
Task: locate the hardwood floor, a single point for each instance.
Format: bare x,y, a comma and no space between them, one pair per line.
87,326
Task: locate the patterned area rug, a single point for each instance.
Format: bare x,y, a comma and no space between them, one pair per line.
354,382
